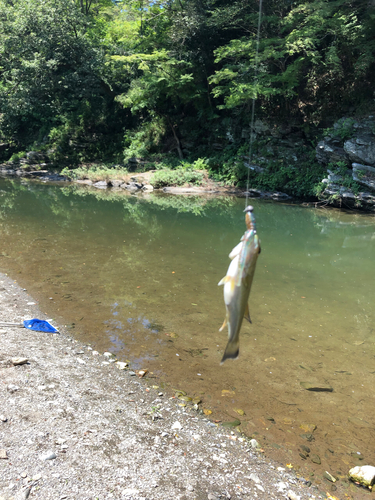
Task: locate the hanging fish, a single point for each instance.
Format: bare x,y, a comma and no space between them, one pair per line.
237,284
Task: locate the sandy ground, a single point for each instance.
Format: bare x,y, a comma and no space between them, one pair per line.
75,426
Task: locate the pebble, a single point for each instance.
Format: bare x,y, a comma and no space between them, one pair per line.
95,353
48,456
19,361
177,426
3,454
315,459
281,486
254,477
121,365
3,418
292,495
131,373
260,487
81,361
108,355
254,443
12,388
329,476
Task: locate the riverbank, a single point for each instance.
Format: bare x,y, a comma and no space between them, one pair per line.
74,426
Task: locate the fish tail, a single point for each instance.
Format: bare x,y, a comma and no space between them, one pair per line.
231,351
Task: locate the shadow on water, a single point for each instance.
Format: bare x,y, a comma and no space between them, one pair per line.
138,276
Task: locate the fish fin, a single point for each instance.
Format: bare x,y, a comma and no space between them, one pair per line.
231,351
236,250
223,325
247,314
224,280
259,249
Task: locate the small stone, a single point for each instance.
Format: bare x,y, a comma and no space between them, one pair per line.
95,353
142,373
260,487
108,355
121,365
329,476
24,474
239,411
364,475
281,487
81,361
48,456
315,459
37,477
132,374
316,387
3,454
292,495
212,496
19,361
177,426
129,491
3,418
254,477
189,487
254,443
309,428
12,388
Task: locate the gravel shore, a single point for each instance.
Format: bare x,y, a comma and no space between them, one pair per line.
75,426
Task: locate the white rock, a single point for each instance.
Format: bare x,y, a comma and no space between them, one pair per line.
48,456
177,426
293,496
254,478
254,443
281,486
19,361
12,388
95,353
260,487
121,365
3,418
364,474
108,354
79,360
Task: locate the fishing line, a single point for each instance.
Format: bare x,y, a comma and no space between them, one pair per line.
253,103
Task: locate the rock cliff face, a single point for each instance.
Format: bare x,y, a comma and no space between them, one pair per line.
349,154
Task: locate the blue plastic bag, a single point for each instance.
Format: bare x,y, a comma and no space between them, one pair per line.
39,325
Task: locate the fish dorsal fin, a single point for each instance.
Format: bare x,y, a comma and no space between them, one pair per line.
247,314
223,325
224,280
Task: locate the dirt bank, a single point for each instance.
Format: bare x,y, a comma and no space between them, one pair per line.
74,426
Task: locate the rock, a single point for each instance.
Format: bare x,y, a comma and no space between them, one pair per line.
254,477
364,475
116,183
108,355
316,387
234,423
131,373
254,444
292,495
177,426
315,459
148,187
329,476
12,388
50,455
121,365
101,184
281,487
364,174
19,361
3,418
309,428
3,454
129,492
361,149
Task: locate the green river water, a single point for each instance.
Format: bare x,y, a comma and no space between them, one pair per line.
138,275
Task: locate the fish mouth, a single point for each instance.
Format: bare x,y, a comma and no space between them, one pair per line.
249,208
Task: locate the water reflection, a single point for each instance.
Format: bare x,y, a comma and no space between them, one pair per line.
139,277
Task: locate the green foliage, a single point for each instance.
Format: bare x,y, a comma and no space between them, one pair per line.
178,177
18,156
343,129
96,173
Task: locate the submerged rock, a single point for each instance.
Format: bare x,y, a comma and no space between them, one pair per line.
364,475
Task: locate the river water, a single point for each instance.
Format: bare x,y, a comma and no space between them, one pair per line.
137,276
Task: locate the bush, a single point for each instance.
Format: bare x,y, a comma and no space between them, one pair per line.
178,177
